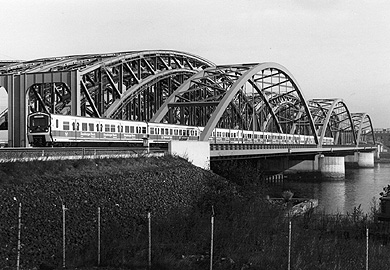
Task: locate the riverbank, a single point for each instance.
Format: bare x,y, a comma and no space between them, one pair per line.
249,232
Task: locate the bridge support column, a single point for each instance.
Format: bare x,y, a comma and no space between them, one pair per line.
197,152
360,160
331,167
366,160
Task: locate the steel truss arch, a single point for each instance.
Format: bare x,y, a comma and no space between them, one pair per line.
118,107
364,130
258,97
104,79
333,119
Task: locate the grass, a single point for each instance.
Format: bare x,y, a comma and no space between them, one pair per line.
249,232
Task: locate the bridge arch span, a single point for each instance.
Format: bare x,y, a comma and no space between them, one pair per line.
363,128
333,119
260,97
95,85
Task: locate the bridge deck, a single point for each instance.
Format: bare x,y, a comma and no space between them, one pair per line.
237,151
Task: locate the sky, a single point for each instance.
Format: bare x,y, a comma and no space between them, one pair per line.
333,48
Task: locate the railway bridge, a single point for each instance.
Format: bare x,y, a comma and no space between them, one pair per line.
181,88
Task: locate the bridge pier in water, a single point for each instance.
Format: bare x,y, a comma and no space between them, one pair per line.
360,160
331,167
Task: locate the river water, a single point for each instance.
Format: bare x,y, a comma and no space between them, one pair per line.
359,187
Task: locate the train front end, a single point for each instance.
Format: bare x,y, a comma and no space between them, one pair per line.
39,129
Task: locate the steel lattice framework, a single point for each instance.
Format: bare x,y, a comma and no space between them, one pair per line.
333,119
174,87
125,85
128,85
258,97
363,129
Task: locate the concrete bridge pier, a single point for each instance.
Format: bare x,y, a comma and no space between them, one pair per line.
360,160
325,166
331,167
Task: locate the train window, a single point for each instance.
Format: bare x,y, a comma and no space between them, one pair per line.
107,128
175,132
151,130
97,127
180,132
56,123
166,131
170,131
84,127
112,128
127,129
157,131
143,130
66,126
91,127
131,129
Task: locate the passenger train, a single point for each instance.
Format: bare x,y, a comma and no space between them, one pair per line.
66,130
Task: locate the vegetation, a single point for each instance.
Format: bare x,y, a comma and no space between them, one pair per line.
249,232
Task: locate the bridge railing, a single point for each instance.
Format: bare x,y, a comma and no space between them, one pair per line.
249,146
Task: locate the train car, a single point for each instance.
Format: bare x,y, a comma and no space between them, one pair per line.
163,133
65,130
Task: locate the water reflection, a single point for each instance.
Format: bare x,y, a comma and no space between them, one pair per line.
359,188
331,197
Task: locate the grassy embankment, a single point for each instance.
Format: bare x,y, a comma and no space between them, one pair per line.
249,232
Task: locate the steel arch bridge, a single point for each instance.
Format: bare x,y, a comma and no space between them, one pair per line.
126,85
261,97
178,88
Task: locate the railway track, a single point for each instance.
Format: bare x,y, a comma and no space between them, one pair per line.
63,153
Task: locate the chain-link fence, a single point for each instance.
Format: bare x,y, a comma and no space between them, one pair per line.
101,236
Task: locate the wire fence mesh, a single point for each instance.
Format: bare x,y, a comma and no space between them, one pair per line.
86,235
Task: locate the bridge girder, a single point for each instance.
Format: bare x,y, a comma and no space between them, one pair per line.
260,97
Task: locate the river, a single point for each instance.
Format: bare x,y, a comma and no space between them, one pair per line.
359,187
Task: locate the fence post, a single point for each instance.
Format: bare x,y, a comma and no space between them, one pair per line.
150,240
367,248
63,236
98,220
212,239
289,245
19,232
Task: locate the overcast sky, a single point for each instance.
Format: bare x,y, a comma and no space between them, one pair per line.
334,48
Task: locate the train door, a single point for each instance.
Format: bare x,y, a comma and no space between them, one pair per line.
120,131
75,129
